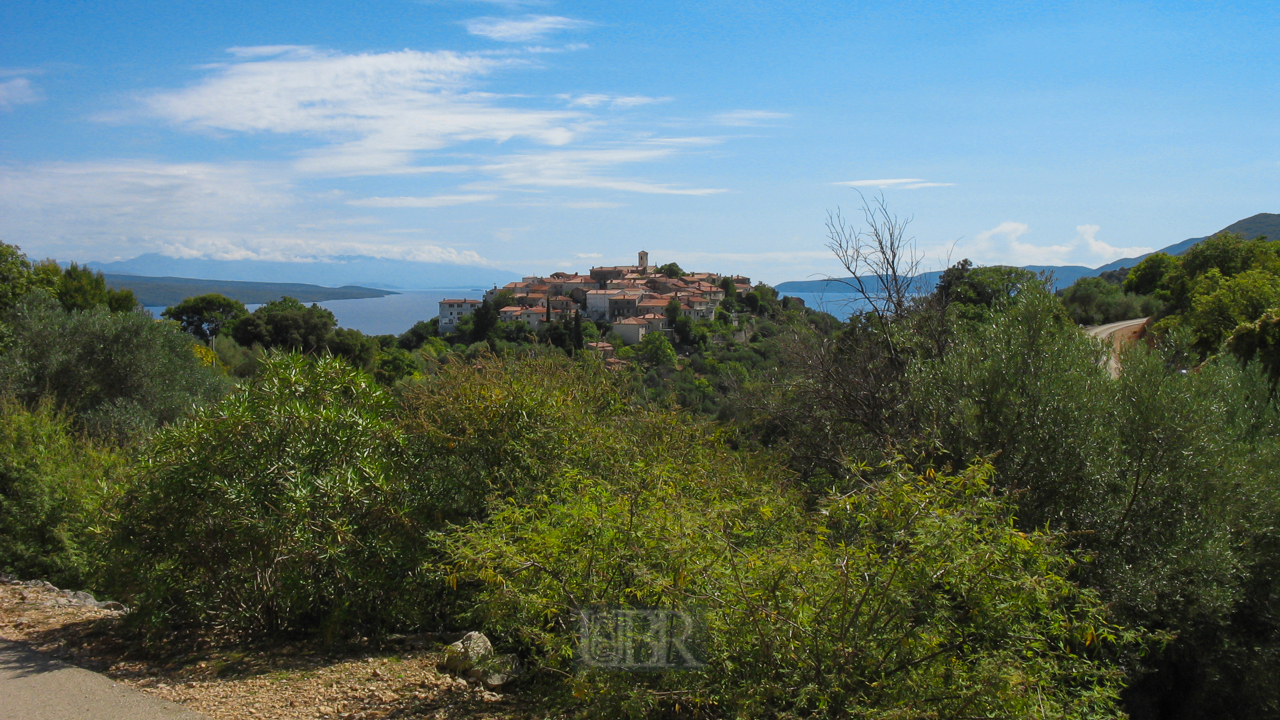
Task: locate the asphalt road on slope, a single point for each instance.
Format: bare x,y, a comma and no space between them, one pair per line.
1102,331
1115,330
34,686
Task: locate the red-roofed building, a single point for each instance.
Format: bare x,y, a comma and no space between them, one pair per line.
451,311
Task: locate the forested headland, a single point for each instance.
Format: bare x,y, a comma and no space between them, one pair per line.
946,506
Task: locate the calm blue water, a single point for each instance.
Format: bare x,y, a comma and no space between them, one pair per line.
837,304
393,314
390,315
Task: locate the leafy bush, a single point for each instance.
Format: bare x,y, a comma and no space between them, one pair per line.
1094,301
119,374
81,289
501,427
51,485
913,597
1259,340
1164,477
206,316
1220,304
290,506
286,324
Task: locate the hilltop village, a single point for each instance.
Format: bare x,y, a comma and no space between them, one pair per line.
635,299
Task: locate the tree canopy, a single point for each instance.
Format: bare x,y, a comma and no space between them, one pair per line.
205,316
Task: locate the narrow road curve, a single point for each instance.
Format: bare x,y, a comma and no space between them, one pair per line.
34,686
1104,331
1118,332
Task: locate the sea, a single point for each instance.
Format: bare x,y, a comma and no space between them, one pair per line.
840,305
394,314
387,315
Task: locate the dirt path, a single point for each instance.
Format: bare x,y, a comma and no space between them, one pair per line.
35,686
1122,332
72,662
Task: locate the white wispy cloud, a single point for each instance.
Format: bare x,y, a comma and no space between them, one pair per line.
614,101
896,183
588,255
1005,244
594,205
583,168
17,91
1087,239
377,112
426,114
522,29
433,201
226,211
748,118
768,256
514,4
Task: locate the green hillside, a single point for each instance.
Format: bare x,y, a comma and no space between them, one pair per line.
1262,224
166,291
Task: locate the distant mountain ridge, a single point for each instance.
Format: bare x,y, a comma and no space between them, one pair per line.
348,270
1262,224
167,291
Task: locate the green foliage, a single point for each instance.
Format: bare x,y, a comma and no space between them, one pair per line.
1218,284
1094,301
420,333
654,350
119,374
357,348
286,324
395,364
17,277
1229,254
672,311
51,486
483,320
1157,474
1147,276
1260,341
289,506
503,425
671,270
992,288
684,330
913,597
504,298
1220,303
82,289
205,316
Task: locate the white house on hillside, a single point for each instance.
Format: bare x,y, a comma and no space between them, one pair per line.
451,311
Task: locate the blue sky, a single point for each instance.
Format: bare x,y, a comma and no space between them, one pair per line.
536,136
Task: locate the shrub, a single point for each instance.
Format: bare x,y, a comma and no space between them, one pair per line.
289,506
1164,478
913,597
51,485
119,374
1094,301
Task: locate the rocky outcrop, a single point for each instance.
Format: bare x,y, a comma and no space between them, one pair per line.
67,597
473,657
